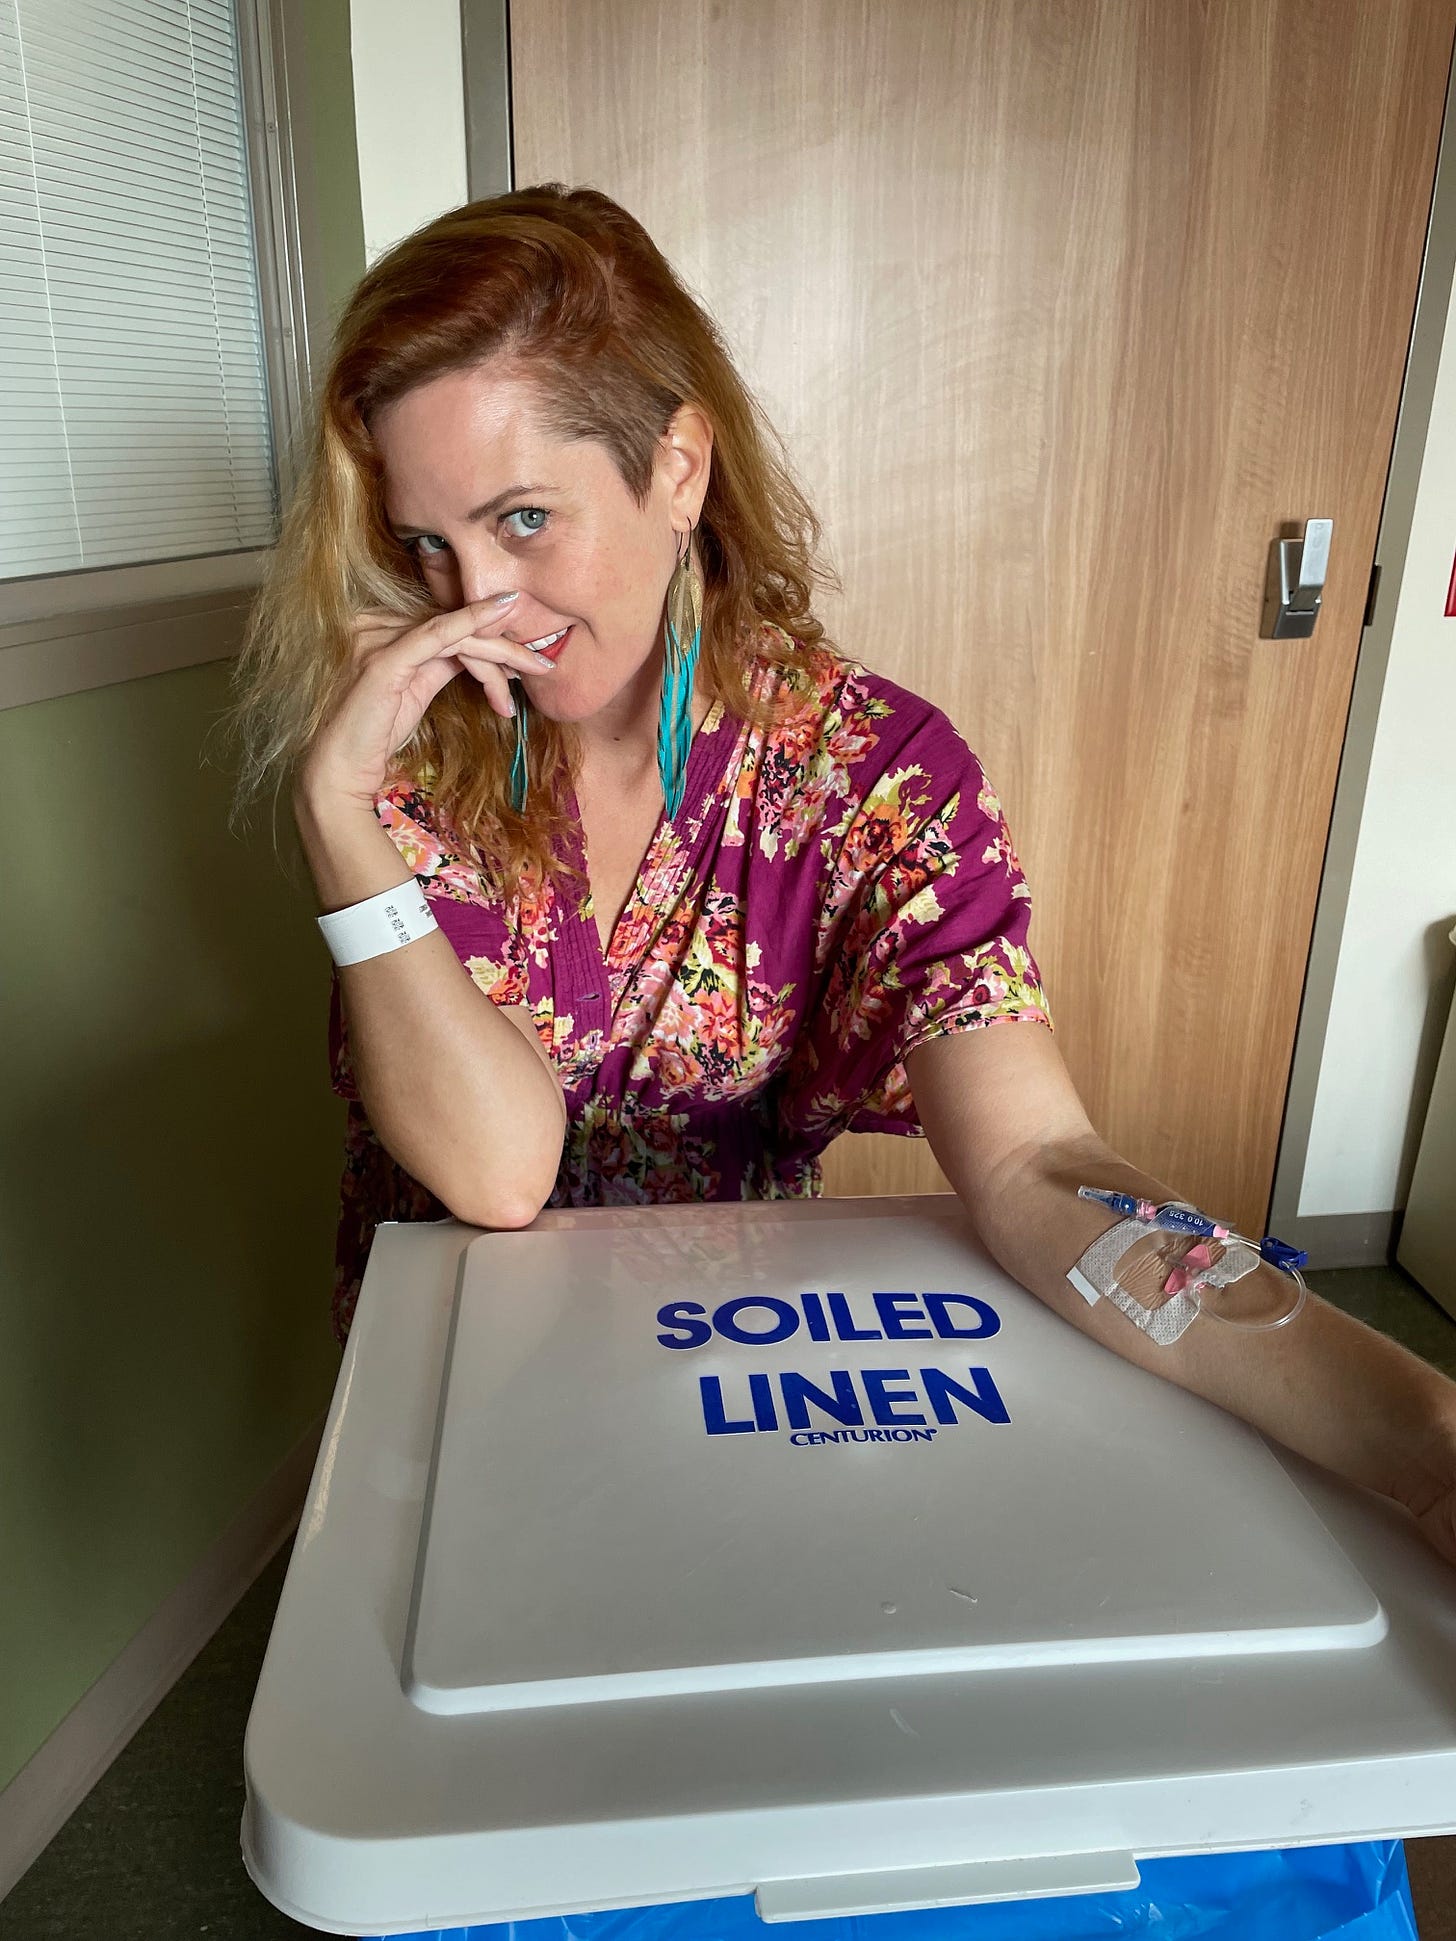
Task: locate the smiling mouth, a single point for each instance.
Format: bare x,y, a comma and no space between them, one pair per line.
548,645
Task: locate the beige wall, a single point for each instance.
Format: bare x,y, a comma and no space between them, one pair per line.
409,114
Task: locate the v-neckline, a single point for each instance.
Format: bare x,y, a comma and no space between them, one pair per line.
667,853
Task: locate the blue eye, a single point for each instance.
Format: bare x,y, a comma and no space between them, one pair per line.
534,516
426,545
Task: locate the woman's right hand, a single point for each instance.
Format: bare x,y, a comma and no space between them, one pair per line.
400,666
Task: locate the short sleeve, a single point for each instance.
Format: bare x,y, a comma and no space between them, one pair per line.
923,931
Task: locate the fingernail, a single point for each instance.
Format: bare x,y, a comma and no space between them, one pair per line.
502,599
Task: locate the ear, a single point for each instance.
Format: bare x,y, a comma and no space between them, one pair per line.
684,464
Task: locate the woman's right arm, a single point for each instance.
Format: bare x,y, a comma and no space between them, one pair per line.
459,1091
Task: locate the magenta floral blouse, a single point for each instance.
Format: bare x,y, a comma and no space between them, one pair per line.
837,889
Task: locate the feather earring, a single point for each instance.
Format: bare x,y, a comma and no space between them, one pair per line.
684,631
520,775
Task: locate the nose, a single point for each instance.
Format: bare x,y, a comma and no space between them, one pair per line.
485,573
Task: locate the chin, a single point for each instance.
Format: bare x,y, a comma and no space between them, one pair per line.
566,707
578,693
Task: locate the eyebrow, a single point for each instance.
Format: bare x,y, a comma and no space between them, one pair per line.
486,511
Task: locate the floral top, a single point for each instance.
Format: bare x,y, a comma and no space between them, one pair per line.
837,889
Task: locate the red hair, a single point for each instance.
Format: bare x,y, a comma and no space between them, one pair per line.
572,291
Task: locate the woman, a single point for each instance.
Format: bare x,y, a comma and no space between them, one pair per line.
701,893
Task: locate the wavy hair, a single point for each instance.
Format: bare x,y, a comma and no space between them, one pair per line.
572,290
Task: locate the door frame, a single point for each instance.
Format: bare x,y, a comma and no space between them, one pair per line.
485,46
1368,1239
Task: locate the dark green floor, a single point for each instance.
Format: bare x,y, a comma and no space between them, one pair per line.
152,1853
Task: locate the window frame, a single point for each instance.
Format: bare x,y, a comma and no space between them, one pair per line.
61,633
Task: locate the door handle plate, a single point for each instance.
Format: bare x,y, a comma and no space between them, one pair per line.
1295,585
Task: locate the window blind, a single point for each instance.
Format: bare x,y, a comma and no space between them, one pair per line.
133,404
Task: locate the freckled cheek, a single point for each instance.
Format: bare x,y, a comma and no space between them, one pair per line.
599,583
608,599
620,595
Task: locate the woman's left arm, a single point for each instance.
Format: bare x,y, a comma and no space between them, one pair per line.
1005,1122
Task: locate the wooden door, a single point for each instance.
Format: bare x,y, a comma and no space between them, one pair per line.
1065,308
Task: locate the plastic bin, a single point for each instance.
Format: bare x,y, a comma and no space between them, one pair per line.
1302,1894
659,1559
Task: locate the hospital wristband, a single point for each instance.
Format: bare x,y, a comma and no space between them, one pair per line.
378,925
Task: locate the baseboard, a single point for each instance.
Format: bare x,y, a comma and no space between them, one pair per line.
52,1784
1344,1239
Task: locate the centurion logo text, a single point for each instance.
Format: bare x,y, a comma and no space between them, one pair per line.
840,1404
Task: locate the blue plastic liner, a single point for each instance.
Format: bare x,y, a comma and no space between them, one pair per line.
1360,1893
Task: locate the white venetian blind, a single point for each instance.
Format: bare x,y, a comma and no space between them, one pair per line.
133,410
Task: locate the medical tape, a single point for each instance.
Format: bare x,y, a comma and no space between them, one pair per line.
1095,1279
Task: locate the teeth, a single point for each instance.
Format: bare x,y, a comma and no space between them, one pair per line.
546,640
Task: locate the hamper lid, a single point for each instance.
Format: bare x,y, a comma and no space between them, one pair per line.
703,1463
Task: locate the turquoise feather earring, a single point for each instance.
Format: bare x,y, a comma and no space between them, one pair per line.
680,660
684,640
520,775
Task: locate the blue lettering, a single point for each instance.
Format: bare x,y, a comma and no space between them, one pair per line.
841,1406
984,1398
883,1398
677,1315
988,1319
715,1421
761,1395
725,1319
825,1317
816,1438
844,1321
890,1308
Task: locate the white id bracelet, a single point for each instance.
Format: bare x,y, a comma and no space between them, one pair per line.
379,924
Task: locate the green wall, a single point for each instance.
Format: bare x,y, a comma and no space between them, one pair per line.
170,1157
168,1188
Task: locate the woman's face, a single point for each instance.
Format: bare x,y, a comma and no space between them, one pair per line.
490,502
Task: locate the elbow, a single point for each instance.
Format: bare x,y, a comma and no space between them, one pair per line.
503,1205
503,1214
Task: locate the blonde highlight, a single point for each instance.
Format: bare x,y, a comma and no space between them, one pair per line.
570,289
